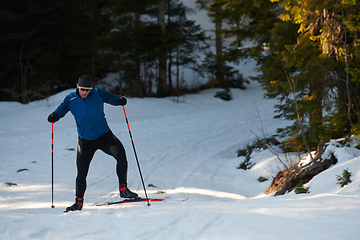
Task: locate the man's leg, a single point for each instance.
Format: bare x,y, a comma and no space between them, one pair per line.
85,153
114,147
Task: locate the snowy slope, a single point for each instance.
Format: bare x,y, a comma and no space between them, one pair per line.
186,149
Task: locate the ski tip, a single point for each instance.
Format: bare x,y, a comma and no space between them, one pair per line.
102,204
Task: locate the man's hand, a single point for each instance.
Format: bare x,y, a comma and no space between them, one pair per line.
52,118
122,101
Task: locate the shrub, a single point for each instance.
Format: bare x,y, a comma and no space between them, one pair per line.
224,94
246,164
344,179
299,188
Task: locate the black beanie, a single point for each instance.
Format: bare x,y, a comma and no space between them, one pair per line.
85,81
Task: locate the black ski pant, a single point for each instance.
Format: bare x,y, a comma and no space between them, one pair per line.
110,145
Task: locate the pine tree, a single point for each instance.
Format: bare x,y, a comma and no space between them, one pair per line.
131,43
185,41
308,48
45,46
162,86
135,47
246,22
317,60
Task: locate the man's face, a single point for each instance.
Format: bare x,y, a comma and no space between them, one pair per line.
84,92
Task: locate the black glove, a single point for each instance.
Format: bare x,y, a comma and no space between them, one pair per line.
122,101
52,117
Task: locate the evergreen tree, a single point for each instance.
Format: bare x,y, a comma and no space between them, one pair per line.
185,41
134,47
44,46
307,58
131,43
245,22
219,64
162,86
316,61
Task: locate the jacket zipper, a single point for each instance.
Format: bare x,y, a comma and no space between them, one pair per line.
92,129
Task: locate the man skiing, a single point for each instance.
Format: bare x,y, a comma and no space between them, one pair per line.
87,107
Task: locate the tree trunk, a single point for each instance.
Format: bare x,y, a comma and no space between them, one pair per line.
169,73
162,88
219,62
177,73
315,110
171,90
286,180
137,87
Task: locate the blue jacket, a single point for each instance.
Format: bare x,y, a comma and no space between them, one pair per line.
88,113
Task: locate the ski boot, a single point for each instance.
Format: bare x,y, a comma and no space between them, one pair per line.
126,193
77,206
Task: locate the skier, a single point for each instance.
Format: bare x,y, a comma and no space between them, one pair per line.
87,107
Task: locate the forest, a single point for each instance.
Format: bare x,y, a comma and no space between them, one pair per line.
306,53
46,46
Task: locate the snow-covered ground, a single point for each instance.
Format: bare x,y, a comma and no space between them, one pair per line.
186,149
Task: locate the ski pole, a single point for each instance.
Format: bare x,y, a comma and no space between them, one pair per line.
52,165
137,160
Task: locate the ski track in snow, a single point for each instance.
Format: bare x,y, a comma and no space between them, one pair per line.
186,149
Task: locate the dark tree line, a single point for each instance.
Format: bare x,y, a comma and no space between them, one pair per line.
146,44
46,45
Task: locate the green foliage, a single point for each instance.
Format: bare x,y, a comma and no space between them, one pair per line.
310,58
45,46
264,143
299,188
344,179
246,164
224,94
305,51
247,21
232,78
355,129
134,42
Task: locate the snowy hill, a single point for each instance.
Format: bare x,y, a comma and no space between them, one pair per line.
186,149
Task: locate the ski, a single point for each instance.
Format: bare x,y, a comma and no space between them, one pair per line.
139,199
130,200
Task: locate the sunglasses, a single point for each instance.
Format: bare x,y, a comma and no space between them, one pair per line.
85,89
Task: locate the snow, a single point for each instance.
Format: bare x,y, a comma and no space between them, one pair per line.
186,149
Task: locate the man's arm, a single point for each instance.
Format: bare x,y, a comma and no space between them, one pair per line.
111,98
61,110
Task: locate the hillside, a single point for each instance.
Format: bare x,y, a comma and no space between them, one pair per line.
186,149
